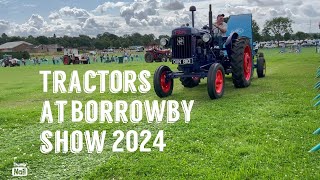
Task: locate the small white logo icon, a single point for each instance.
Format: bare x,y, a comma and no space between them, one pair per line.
180,41
239,30
19,169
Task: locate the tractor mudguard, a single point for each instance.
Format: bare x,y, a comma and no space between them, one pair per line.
232,37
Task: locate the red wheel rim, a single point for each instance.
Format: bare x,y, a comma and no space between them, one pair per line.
247,63
219,81
165,86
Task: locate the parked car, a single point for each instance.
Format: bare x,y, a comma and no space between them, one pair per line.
269,46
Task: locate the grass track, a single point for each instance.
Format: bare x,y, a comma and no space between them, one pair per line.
260,132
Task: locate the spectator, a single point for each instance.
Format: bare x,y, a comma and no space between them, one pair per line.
88,59
38,60
101,57
53,61
112,58
23,61
299,48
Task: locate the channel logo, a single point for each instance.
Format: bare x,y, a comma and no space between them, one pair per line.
19,169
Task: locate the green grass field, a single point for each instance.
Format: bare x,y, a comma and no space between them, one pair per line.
260,132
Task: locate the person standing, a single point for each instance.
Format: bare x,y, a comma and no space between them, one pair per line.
53,60
23,61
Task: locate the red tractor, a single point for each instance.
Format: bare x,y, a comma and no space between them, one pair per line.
157,55
72,56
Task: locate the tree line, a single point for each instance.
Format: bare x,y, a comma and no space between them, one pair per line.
276,29
279,29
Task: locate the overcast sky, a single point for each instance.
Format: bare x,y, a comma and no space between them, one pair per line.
92,17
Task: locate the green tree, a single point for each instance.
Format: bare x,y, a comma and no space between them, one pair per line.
4,38
278,26
42,40
287,36
301,35
255,31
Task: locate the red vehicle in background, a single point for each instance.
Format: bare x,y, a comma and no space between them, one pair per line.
157,54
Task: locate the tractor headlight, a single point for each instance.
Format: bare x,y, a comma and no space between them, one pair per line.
206,37
164,41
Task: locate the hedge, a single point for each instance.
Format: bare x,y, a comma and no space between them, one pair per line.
18,55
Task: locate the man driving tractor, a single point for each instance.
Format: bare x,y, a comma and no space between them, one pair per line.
220,27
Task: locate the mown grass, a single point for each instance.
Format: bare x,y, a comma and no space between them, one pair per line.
260,132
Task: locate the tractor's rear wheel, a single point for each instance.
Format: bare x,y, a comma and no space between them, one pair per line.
241,63
148,57
163,85
216,81
190,82
261,67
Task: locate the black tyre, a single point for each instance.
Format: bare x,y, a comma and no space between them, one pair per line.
241,63
162,85
162,58
190,82
216,81
76,61
261,67
148,57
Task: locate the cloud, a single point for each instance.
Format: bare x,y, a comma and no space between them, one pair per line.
309,11
139,10
4,25
173,5
70,13
36,21
108,5
156,16
266,3
73,12
4,2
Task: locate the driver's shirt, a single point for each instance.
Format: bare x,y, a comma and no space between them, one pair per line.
217,31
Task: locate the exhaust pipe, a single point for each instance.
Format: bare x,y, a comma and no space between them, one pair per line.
192,9
210,18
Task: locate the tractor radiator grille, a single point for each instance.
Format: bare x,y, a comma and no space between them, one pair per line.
181,47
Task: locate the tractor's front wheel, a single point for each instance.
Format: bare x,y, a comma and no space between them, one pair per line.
216,81
76,61
241,63
148,57
163,85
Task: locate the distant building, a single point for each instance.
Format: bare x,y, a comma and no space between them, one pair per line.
16,46
51,48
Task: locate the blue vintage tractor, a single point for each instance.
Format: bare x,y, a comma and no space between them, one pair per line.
200,53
